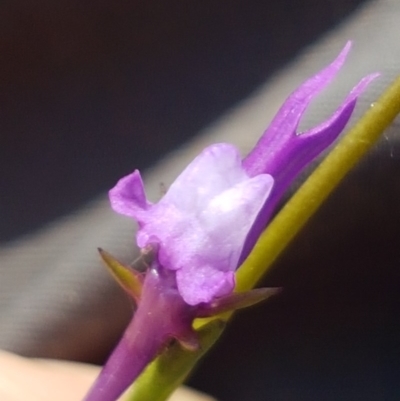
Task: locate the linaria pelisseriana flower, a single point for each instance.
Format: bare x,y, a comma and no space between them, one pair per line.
205,226
201,223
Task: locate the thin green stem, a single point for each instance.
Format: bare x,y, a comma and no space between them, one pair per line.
282,230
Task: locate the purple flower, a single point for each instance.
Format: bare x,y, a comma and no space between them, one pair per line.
211,216
202,229
201,223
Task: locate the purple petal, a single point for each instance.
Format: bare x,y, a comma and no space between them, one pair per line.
216,168
283,153
166,224
198,284
128,196
338,120
229,217
300,149
206,268
213,235
262,159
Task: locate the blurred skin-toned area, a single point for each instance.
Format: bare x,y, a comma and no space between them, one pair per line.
49,380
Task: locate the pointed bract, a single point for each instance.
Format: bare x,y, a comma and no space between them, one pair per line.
130,280
236,301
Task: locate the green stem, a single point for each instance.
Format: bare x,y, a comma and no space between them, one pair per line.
279,233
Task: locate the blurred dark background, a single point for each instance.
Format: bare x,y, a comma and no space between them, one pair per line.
89,90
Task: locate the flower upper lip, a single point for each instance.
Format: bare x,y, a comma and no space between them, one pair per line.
283,153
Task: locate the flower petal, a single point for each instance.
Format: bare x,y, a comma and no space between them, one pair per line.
215,169
283,153
128,196
210,248
166,225
330,128
262,159
301,149
229,217
202,284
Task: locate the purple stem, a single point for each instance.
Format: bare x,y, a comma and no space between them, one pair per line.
124,366
161,315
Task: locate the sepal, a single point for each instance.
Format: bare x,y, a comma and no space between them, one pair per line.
127,277
236,301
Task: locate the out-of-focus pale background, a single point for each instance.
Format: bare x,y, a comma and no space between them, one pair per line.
91,90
